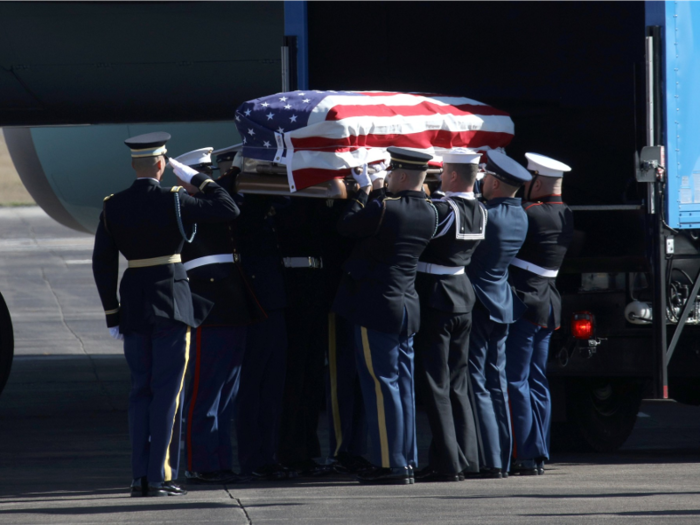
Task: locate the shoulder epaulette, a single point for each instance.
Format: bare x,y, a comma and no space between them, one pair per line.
108,197
392,198
175,189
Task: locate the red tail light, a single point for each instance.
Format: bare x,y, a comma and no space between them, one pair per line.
583,325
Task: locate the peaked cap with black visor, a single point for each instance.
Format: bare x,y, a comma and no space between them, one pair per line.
148,145
407,159
506,169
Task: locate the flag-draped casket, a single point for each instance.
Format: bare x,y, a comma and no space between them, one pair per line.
321,135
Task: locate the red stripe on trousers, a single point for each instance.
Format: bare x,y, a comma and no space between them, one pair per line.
195,389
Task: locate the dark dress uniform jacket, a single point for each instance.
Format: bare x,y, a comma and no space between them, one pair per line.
454,247
257,240
549,233
488,271
140,222
379,277
224,284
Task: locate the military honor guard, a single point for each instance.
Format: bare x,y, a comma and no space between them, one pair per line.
261,389
155,310
347,427
378,296
300,223
533,274
447,298
495,309
213,267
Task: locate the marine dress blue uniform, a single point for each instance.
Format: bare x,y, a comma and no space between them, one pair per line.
377,294
533,276
157,308
495,309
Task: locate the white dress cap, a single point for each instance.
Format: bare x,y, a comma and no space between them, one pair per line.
196,157
545,166
461,156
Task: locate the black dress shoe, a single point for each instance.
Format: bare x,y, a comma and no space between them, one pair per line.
540,466
219,477
139,487
411,474
274,472
485,472
165,488
309,468
237,478
386,476
428,474
524,467
345,463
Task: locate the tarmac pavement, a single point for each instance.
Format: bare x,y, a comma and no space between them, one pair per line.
64,449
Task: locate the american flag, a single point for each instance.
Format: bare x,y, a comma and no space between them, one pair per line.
320,135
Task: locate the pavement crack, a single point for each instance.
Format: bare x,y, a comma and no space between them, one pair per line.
77,338
240,505
30,226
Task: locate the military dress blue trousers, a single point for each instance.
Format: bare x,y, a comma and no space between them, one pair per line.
527,349
215,364
487,370
385,368
347,429
158,360
258,405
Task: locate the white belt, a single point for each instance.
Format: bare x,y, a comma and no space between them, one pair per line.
438,269
533,268
211,259
302,262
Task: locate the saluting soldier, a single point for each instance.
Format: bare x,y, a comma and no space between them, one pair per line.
442,343
533,275
495,309
213,267
377,294
148,225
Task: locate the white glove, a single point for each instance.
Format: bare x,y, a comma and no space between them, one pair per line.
363,178
238,160
114,332
184,173
379,171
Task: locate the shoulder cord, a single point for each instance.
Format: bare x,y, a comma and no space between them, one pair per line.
178,215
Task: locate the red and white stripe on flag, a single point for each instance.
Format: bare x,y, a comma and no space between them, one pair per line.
348,129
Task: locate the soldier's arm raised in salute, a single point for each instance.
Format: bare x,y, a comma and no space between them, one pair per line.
214,205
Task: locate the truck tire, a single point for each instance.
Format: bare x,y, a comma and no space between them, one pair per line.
601,414
7,343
